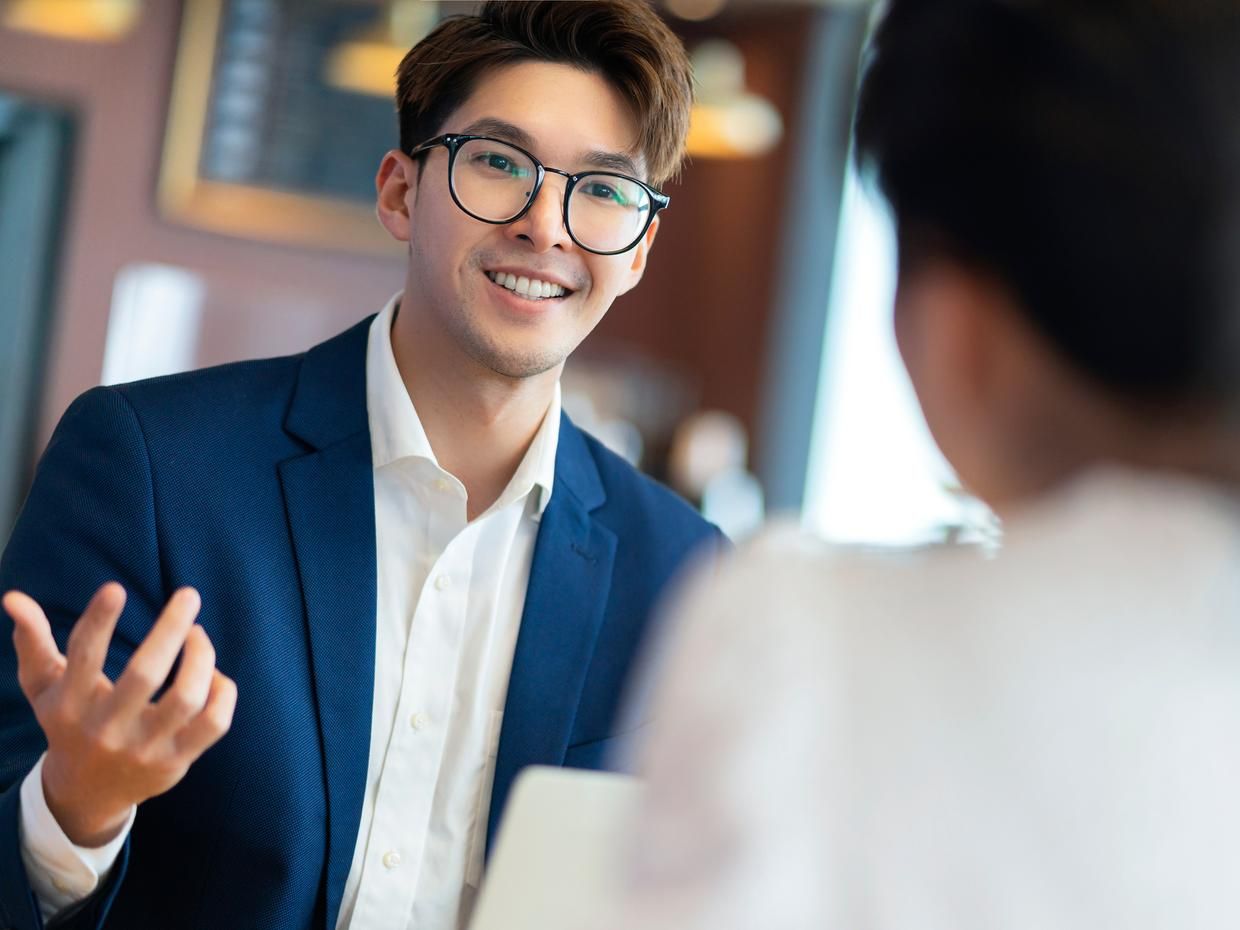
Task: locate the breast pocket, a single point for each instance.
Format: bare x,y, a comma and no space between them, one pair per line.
482,806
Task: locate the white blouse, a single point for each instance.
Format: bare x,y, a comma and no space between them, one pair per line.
940,740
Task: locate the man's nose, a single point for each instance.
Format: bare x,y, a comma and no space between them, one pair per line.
543,224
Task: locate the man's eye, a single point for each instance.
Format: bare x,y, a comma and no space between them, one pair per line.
605,192
502,164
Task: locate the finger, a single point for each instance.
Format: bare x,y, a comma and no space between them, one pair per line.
89,640
150,664
39,662
189,693
201,733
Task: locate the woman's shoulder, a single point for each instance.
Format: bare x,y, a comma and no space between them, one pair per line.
788,591
789,566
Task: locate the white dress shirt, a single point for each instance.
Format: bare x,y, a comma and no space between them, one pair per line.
450,596
938,740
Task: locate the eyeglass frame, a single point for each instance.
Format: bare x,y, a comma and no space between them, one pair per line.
453,141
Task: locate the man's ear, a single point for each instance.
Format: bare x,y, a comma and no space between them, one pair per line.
397,177
639,256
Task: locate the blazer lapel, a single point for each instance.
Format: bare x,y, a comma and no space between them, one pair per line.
329,497
570,577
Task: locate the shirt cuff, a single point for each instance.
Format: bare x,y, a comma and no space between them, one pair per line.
60,872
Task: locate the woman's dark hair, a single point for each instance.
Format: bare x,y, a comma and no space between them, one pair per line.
1086,153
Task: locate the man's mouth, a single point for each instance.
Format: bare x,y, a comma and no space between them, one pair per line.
529,288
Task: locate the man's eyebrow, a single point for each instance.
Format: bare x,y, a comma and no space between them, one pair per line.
490,126
612,161
501,129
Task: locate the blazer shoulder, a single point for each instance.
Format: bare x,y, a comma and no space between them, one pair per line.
208,407
237,381
637,500
329,377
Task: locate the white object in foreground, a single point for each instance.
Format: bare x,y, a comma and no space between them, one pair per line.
555,865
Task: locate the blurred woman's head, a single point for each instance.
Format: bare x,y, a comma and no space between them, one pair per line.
1065,180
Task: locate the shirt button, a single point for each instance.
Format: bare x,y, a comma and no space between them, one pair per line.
391,859
417,721
442,583
443,485
60,885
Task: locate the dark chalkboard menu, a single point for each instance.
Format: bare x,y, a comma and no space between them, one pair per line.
271,133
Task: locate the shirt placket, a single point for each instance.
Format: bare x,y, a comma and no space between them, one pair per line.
397,847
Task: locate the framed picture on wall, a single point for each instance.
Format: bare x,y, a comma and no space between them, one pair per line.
281,111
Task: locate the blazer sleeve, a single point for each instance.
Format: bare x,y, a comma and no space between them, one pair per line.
90,518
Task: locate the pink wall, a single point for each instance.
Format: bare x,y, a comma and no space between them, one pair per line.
261,299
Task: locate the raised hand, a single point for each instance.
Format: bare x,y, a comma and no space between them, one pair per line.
110,746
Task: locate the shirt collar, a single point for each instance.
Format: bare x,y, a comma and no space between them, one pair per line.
396,431
537,470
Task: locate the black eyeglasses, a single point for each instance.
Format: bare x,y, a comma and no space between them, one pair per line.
496,182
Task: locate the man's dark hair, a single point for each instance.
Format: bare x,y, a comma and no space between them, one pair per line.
1087,154
624,41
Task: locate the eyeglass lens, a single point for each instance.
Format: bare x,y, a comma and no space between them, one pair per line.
493,181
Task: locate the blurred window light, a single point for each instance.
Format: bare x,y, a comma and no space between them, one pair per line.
79,20
154,323
875,475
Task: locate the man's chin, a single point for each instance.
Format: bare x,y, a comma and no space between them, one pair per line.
510,351
515,363
522,369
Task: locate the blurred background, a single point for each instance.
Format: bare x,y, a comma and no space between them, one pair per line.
189,182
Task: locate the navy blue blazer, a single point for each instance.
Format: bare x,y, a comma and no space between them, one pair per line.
253,482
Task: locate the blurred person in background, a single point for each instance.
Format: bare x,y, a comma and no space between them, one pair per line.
1048,737
390,543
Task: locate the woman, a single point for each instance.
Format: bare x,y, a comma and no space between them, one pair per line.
1049,737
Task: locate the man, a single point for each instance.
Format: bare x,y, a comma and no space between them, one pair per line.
419,575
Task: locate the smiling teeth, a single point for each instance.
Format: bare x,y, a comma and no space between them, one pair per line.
533,288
